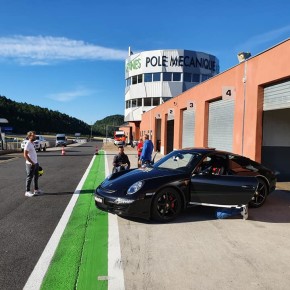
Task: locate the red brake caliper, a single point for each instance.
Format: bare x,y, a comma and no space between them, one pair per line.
172,202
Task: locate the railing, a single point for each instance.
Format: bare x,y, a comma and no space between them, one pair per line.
10,144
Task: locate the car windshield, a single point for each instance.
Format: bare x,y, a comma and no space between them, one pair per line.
176,160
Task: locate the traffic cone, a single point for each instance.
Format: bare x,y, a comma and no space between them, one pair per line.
62,151
97,150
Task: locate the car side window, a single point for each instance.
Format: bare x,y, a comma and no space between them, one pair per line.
212,165
239,165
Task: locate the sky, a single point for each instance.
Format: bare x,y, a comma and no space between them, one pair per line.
69,55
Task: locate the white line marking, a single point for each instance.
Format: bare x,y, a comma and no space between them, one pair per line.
36,277
115,265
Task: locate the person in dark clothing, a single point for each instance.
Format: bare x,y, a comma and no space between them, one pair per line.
121,161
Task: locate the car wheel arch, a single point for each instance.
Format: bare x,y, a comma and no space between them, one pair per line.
262,177
257,202
181,194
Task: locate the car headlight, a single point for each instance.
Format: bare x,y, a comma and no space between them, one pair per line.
135,187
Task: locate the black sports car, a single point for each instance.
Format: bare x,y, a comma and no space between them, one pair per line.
194,176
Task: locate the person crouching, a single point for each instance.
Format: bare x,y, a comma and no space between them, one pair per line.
121,161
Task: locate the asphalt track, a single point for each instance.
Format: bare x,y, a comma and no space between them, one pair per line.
26,224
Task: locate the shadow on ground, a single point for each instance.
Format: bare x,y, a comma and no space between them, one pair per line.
275,210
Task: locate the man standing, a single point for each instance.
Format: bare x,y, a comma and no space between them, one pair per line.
121,161
146,154
31,165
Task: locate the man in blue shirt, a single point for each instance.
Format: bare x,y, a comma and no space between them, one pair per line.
146,154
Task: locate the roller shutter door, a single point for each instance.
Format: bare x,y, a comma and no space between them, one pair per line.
220,125
188,129
277,96
276,128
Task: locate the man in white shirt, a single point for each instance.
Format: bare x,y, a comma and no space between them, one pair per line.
31,165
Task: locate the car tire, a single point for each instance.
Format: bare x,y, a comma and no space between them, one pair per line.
166,205
39,150
260,194
44,148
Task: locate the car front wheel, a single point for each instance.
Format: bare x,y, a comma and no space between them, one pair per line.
260,194
166,205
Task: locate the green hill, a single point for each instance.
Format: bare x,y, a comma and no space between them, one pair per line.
23,117
108,125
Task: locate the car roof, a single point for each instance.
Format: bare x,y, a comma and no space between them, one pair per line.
202,150
206,150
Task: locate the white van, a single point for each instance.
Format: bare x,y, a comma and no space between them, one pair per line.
60,140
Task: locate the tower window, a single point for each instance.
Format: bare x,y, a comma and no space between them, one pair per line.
156,77
167,76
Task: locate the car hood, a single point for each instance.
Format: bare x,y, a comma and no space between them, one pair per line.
122,182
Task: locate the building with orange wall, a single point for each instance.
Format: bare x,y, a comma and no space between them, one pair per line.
245,110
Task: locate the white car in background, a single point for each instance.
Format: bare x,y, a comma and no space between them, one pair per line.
39,144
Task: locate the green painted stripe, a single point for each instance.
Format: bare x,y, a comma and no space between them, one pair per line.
82,254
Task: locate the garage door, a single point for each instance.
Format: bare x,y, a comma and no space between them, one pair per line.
188,127
277,96
276,128
220,124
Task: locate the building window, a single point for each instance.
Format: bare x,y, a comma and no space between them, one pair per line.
195,78
187,77
128,82
147,78
134,80
127,104
164,99
204,78
134,103
176,77
147,102
156,77
140,78
156,101
167,77
139,102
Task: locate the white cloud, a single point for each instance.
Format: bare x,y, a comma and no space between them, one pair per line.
43,50
70,95
267,37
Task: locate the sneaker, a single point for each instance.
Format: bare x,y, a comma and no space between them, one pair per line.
245,212
29,194
38,192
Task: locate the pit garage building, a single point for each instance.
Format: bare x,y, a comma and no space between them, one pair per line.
245,110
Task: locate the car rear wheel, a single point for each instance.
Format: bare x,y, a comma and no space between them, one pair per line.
260,194
166,205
